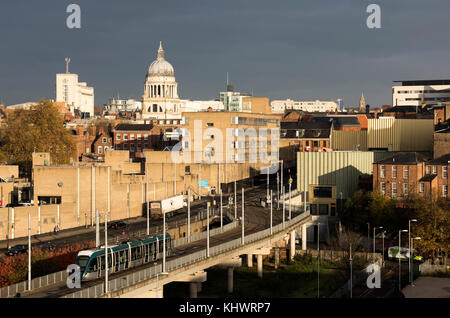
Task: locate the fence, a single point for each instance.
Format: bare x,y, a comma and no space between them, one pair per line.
38,282
150,272
338,255
428,269
58,277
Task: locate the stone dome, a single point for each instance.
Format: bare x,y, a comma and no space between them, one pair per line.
160,67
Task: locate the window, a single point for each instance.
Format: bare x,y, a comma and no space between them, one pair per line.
313,209
383,187
187,169
118,136
146,137
394,190
210,124
139,148
118,147
428,170
322,192
445,191
100,150
125,146
104,140
139,136
186,145
444,172
323,209
315,143
405,189
146,145
131,136
132,147
394,172
405,172
383,171
422,187
125,137
434,169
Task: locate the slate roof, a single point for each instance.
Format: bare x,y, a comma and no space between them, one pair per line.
133,127
427,178
406,158
441,160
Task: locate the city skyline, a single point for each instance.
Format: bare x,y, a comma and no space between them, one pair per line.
283,53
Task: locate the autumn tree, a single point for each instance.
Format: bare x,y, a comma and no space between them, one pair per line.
38,129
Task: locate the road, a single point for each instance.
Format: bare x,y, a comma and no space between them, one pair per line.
256,219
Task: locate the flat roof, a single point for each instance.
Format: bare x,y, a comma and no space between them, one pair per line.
424,82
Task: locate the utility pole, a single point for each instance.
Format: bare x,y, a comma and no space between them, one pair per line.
409,247
164,242
318,260
290,205
146,199
235,201
278,191
207,228
267,182
189,215
242,217
351,274
97,229
29,251
399,260
106,253
284,207
271,211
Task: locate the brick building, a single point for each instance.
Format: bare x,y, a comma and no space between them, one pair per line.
435,181
399,175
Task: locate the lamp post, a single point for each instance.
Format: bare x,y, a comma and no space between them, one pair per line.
235,201
207,228
351,270
318,259
410,256
271,211
106,253
382,250
29,251
409,247
373,255
242,217
164,242
399,260
368,231
146,198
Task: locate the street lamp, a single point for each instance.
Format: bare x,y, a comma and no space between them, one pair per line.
399,260
410,256
382,250
409,247
373,256
368,232
351,270
318,259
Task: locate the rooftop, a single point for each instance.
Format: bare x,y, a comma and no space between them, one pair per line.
133,127
404,158
423,82
441,160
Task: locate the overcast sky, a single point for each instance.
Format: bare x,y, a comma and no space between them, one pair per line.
317,49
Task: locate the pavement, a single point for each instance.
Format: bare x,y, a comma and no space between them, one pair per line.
428,287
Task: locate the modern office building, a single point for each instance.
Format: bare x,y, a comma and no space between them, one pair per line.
418,92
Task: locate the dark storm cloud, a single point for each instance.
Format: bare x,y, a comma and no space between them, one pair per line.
280,49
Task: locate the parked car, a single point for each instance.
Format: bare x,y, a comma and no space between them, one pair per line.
17,249
117,225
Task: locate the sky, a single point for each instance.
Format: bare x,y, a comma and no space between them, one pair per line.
303,50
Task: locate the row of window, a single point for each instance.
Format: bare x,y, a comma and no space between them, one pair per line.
125,136
406,171
426,91
139,147
406,189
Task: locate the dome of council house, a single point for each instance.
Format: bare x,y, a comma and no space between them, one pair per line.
160,67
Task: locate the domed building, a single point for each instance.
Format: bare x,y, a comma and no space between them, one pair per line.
160,99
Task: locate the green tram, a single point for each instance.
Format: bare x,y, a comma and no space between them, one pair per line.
121,257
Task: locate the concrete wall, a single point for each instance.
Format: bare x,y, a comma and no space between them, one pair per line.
9,171
441,144
348,140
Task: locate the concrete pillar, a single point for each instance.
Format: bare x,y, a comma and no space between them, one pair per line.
292,245
199,287
277,257
193,289
304,237
260,266
249,260
230,280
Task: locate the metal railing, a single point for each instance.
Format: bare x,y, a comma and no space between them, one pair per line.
38,282
150,272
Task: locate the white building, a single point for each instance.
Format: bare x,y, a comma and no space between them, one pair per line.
115,105
160,99
232,101
279,106
201,105
416,93
77,95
